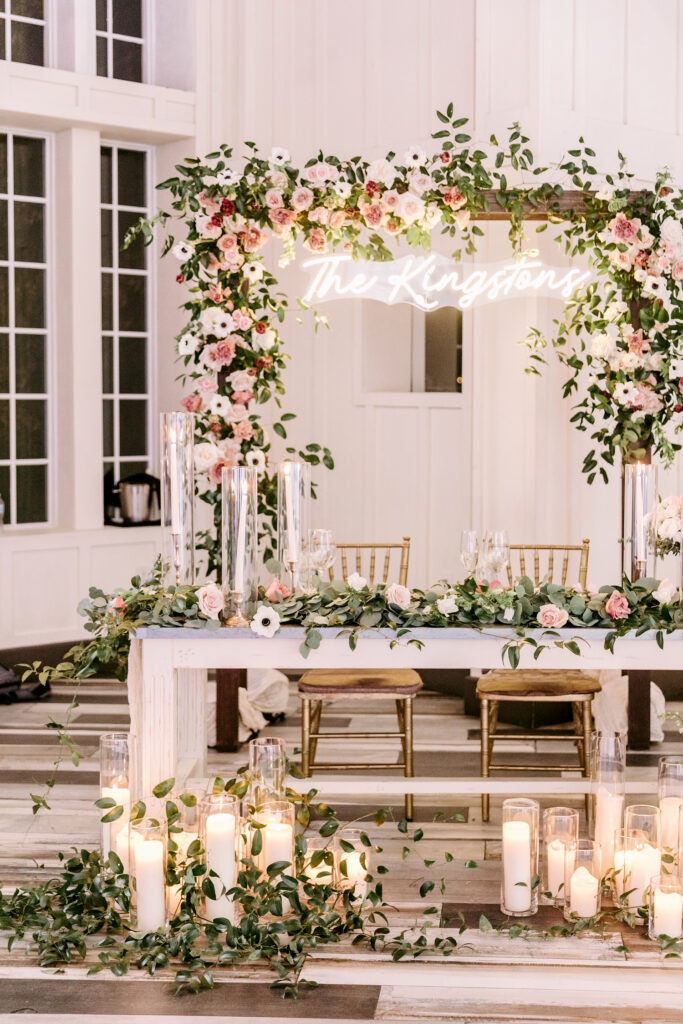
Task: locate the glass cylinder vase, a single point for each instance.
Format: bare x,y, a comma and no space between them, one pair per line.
353,862
665,907
220,838
267,769
239,540
608,788
560,829
148,852
670,792
320,860
177,497
582,880
293,498
273,821
519,896
640,497
636,862
114,785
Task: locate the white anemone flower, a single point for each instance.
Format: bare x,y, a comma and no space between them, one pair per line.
414,157
257,460
182,251
220,406
265,622
252,271
279,157
187,344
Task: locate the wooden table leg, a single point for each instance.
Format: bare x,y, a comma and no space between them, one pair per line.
228,682
639,709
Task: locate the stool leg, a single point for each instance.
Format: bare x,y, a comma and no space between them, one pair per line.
315,728
484,755
305,737
587,727
408,746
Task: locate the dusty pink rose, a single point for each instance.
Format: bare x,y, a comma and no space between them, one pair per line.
216,471
192,403
462,218
241,320
396,594
210,205
274,198
373,215
320,172
624,230
227,243
217,355
243,430
302,198
337,218
210,600
419,182
617,606
316,241
253,239
453,197
282,218
551,617
232,261
278,179
277,591
677,270
207,385
390,199
242,397
225,349
319,215
230,450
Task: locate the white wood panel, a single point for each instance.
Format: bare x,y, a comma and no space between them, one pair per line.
45,591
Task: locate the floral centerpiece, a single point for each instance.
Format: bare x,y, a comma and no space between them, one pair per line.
665,527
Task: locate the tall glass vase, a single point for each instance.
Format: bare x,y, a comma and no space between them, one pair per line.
239,537
267,769
293,498
640,495
177,497
608,789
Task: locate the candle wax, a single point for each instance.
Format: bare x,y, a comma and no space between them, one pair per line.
111,829
669,807
150,874
584,890
516,866
220,857
668,913
609,810
555,866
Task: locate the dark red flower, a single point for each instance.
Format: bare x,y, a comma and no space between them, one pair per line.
260,327
180,278
227,206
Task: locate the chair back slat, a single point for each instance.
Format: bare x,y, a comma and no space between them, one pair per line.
546,569
369,554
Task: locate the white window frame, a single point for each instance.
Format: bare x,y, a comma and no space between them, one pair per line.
51,440
150,395
110,36
47,21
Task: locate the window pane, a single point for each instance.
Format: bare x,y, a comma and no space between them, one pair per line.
27,42
101,16
133,366
127,17
29,232
107,303
4,297
4,364
102,63
28,8
29,354
107,365
31,494
29,166
132,188
105,174
108,427
4,491
443,349
132,311
133,427
127,61
106,239
29,297
4,251
134,257
4,428
31,429
2,41
3,155
133,466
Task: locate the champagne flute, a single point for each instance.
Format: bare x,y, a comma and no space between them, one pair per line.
469,550
322,550
497,552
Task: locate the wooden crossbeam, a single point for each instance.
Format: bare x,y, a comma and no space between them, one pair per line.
571,201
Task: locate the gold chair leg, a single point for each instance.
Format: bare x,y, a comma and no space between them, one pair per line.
484,714
315,728
408,748
305,737
587,727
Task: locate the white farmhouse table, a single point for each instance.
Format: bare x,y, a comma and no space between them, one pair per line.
168,668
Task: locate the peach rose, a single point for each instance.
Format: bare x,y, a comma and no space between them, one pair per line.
617,606
243,430
677,270
227,243
242,397
253,238
207,385
302,198
462,218
210,205
373,215
319,215
316,241
192,403
277,591
337,218
210,600
396,594
551,617
274,198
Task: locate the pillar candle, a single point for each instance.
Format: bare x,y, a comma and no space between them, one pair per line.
111,829
124,839
175,892
292,545
516,866
634,869
278,840
240,553
150,873
668,913
669,807
175,488
555,857
583,893
609,810
220,857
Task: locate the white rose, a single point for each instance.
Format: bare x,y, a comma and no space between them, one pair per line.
602,346
211,601
266,622
665,592
381,171
205,454
615,310
410,207
241,380
265,340
447,605
397,594
356,581
669,528
671,232
509,614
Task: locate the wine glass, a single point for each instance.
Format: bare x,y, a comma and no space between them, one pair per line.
322,550
497,553
469,550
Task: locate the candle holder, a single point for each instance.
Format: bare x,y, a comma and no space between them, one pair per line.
608,788
177,498
665,907
183,836
560,829
293,499
220,823
670,791
114,785
639,557
636,862
644,818
273,821
582,875
353,862
267,770
325,853
239,539
519,896
148,853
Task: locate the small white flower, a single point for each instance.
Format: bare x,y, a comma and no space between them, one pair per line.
615,310
266,621
235,413
447,605
227,177
205,454
216,322
640,274
252,271
676,369
182,251
187,344
279,156
266,340
654,285
509,614
343,189
671,232
625,393
605,194
665,592
602,346
257,460
381,171
356,581
220,406
414,157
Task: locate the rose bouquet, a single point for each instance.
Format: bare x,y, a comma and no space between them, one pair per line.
665,526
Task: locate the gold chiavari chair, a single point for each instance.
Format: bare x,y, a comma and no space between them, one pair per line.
320,686
539,562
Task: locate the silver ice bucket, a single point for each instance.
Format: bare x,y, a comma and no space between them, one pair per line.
135,502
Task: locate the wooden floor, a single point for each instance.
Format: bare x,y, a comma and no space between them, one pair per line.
491,978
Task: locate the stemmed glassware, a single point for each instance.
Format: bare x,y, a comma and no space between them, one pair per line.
321,550
497,553
469,551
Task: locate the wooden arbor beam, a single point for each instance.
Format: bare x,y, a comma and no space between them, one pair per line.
571,201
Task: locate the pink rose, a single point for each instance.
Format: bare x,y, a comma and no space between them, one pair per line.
396,594
253,238
462,218
373,215
274,198
242,397
241,380
316,241
243,430
622,260
453,197
624,230
230,450
278,179
677,270
227,243
637,344
207,385
551,617
302,198
225,349
390,199
192,403
617,606
337,218
419,182
281,218
320,172
210,600
241,320
319,215
277,591
118,603
210,205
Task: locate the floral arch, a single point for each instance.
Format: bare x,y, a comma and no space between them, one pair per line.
619,336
